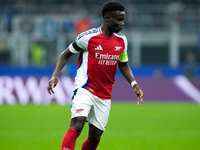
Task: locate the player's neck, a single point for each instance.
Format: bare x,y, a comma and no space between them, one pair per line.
105,30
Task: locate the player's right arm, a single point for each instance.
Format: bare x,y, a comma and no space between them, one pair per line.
79,44
62,60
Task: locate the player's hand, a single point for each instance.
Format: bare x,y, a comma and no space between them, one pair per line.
139,93
52,84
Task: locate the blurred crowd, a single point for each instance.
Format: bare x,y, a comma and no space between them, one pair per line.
44,20
97,2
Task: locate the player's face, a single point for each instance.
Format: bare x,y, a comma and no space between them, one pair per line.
116,21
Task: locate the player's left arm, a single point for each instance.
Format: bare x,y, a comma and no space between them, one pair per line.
128,74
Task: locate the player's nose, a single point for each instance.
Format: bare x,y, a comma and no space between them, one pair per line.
122,23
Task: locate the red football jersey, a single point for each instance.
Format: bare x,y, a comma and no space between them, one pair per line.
99,57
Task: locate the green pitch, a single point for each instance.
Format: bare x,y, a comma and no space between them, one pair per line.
151,126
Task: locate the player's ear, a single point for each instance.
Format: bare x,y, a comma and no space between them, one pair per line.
106,17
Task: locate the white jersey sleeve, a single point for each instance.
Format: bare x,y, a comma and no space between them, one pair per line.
81,41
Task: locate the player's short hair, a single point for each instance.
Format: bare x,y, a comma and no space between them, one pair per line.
112,5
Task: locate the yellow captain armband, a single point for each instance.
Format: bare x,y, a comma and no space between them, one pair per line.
123,56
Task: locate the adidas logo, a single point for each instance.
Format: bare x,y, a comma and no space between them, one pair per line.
99,48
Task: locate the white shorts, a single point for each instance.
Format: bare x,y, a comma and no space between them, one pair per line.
88,105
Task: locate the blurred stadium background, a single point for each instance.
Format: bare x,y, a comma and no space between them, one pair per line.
164,48
164,54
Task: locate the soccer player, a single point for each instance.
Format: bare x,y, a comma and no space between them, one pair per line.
101,51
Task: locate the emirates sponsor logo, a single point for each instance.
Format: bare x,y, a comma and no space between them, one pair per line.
107,59
106,56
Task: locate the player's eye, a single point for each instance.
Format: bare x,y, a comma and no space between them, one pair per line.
120,19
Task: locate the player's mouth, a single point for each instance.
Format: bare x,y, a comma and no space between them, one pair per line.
121,28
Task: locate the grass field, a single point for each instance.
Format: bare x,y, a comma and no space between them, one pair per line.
151,126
